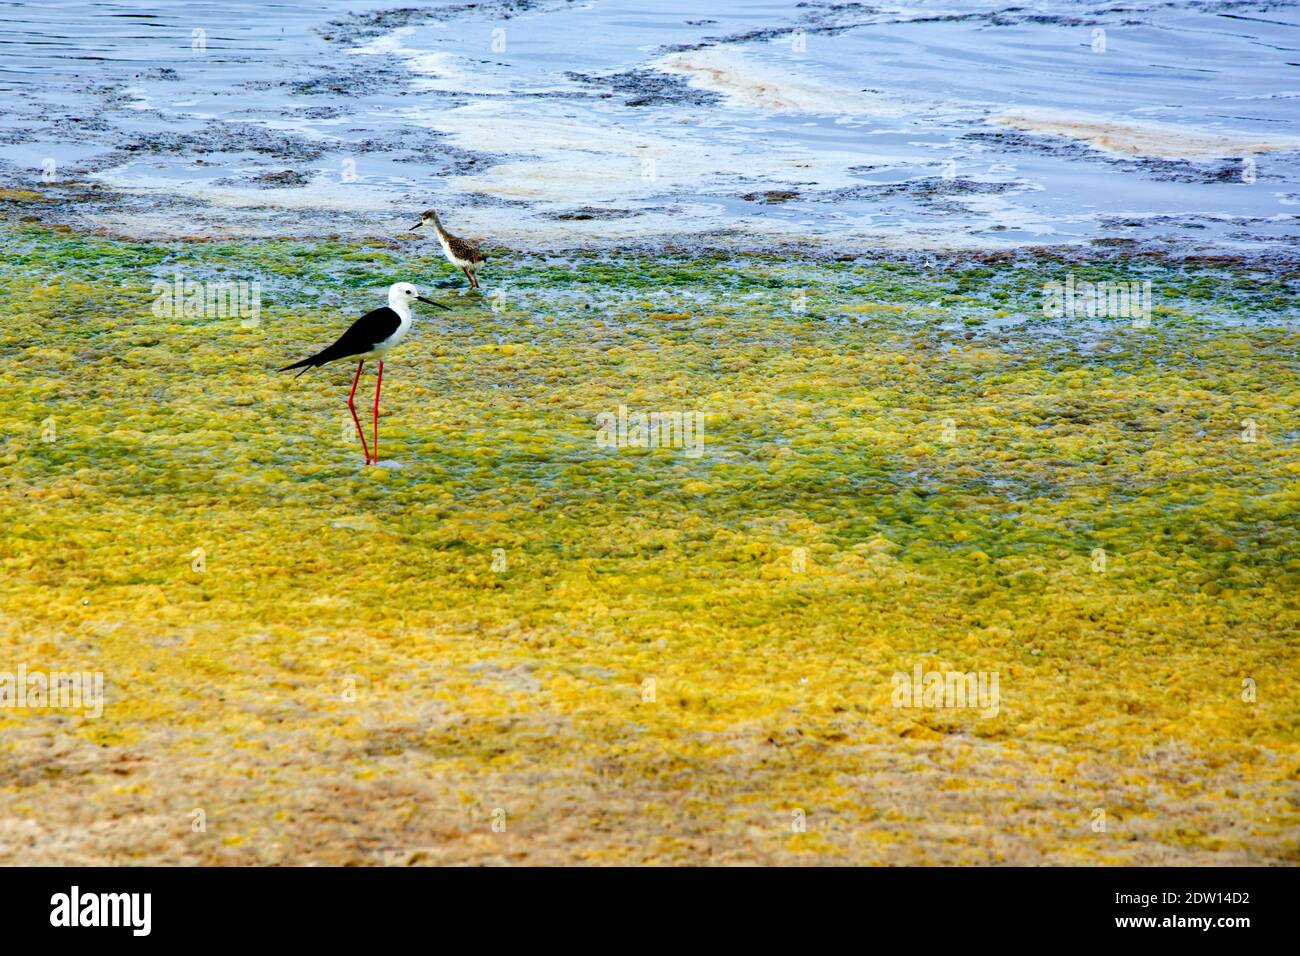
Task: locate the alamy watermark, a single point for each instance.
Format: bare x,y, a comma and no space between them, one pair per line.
1107,299
74,690
75,908
947,689
227,299
682,430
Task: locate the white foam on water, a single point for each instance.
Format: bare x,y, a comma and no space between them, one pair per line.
139,100
585,158
750,84
434,71
322,193
1145,138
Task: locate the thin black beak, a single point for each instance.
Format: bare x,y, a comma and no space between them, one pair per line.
431,302
416,226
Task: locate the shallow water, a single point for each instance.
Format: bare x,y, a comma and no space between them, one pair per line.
948,124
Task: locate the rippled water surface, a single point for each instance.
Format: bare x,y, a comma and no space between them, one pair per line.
552,123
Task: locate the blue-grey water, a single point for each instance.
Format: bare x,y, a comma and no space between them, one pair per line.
557,123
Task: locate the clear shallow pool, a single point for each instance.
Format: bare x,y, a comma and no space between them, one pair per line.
557,124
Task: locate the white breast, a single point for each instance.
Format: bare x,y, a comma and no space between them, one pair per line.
403,327
446,251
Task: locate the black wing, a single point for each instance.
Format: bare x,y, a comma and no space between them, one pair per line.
362,336
366,332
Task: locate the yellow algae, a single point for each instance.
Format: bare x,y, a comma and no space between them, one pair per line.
517,644
21,196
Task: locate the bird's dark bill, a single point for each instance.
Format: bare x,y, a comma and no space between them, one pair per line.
431,302
417,226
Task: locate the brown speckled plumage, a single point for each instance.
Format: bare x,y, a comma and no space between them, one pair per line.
462,253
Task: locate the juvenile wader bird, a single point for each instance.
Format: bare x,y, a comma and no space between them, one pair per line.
370,336
461,253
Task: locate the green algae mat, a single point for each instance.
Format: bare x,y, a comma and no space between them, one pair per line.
532,636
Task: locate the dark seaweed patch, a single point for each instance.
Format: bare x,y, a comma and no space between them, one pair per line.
225,138
593,212
375,23
278,180
771,196
649,88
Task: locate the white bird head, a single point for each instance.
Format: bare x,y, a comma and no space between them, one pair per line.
403,294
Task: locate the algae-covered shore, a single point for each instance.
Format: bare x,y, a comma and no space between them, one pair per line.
518,645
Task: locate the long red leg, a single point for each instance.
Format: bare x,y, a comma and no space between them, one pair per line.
353,409
379,383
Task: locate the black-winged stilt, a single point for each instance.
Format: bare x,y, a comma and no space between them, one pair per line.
461,253
370,336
